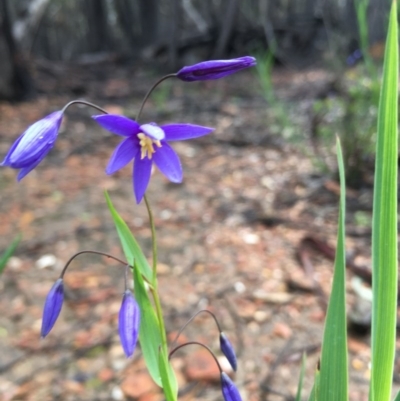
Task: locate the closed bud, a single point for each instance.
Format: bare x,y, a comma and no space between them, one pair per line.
128,323
214,69
34,144
227,350
52,307
229,390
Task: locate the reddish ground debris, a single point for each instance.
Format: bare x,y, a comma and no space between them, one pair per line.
229,240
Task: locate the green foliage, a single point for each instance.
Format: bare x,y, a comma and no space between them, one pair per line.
351,114
362,21
265,62
278,115
8,253
384,224
161,96
131,248
300,385
331,384
315,390
334,366
149,332
168,378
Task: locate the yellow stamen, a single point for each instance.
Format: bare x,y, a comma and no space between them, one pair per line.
147,145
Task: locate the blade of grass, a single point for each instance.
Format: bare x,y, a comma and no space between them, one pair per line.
9,252
300,385
314,395
334,367
384,225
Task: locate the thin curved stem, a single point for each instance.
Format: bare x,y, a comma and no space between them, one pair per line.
84,102
191,319
101,254
151,90
196,343
94,253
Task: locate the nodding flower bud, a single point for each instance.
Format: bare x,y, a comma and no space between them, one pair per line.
229,390
34,144
214,69
227,350
128,323
52,307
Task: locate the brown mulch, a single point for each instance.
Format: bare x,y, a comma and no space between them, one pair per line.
228,238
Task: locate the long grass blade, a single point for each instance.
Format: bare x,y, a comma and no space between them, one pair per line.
301,378
334,366
384,225
9,252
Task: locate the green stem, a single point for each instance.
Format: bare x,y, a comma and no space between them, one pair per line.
154,288
153,238
154,292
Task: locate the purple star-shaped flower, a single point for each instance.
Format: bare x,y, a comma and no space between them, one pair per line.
147,143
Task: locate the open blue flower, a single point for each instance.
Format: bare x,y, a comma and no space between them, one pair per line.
214,69
34,144
147,143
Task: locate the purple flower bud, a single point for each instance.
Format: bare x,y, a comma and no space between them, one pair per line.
128,322
34,144
227,350
214,69
229,390
52,307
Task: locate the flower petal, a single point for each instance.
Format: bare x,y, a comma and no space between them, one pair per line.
214,69
52,307
123,154
128,323
153,131
6,161
141,176
119,125
180,132
25,170
168,162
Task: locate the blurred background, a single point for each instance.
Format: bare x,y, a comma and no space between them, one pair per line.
250,232
172,33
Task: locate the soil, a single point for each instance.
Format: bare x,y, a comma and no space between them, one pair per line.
247,235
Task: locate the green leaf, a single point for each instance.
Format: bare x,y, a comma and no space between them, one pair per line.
384,224
300,385
397,397
149,332
168,377
131,248
334,366
9,252
314,395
